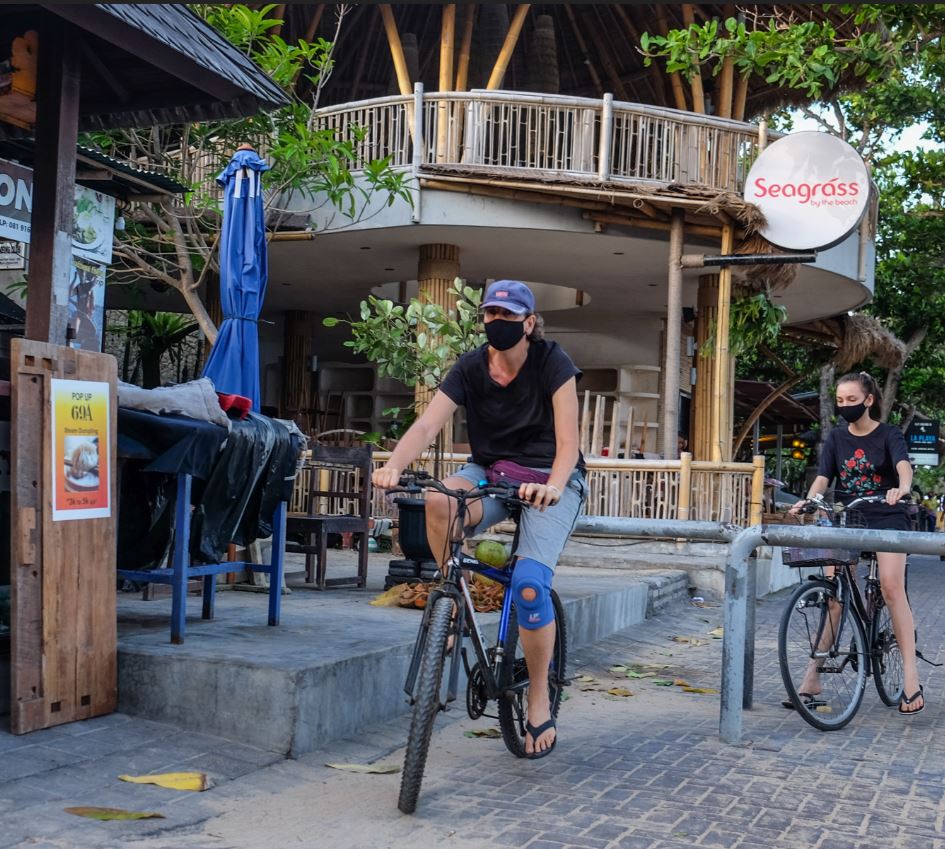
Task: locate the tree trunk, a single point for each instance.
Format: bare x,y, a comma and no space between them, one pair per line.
894,375
827,403
193,301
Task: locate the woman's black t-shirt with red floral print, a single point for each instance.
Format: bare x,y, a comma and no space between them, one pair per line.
863,465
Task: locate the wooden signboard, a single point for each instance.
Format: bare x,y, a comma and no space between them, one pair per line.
63,534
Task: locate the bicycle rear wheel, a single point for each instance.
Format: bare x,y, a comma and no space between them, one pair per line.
887,658
427,704
810,625
513,679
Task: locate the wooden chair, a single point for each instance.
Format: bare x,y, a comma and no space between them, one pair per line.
337,486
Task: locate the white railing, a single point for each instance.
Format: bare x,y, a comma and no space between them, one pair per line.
578,138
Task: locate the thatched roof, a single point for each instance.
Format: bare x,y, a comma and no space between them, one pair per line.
863,338
595,48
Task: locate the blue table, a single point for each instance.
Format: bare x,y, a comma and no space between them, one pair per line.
181,569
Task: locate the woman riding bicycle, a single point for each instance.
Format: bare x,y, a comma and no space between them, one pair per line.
520,395
868,457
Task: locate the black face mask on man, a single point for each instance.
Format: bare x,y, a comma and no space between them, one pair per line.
504,334
852,412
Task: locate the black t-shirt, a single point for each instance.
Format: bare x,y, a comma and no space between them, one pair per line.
514,422
863,465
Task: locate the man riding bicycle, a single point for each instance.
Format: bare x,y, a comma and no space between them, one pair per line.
520,395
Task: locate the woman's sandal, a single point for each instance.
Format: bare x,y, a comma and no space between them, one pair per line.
908,700
536,732
810,700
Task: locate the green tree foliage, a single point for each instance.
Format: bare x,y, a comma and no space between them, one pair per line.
415,343
174,242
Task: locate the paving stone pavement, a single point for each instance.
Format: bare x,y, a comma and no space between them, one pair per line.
641,772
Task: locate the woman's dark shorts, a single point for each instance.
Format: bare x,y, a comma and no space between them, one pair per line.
886,517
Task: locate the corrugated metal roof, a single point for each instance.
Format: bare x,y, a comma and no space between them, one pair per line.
147,179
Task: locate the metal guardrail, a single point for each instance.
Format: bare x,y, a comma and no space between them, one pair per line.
738,636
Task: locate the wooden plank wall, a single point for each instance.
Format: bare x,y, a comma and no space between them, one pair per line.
63,636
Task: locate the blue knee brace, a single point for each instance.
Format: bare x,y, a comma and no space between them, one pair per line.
531,575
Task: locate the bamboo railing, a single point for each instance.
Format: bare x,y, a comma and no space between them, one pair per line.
650,489
600,140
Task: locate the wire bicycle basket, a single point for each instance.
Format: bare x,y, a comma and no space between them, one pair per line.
835,516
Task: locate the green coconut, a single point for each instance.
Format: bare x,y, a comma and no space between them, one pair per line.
493,553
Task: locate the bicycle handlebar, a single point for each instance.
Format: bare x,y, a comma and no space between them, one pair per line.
413,482
817,503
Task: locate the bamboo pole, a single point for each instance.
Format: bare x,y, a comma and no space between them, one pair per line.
465,48
695,84
679,94
614,426
757,488
279,14
608,63
582,44
597,429
726,76
316,20
508,48
740,97
684,496
657,84
721,442
673,336
396,49
447,43
628,439
585,424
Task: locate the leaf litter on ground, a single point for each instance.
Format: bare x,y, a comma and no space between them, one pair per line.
195,781
492,733
374,769
93,813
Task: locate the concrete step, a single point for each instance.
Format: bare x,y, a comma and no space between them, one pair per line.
335,665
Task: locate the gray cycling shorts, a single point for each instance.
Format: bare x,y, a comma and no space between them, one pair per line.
543,533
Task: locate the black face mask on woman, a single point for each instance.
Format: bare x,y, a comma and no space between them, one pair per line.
852,412
504,334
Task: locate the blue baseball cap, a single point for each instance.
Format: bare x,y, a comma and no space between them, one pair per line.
512,295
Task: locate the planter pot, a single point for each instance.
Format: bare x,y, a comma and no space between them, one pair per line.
413,529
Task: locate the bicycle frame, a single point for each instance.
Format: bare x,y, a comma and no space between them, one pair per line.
456,588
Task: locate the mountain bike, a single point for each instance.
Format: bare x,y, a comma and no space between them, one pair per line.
828,622
499,672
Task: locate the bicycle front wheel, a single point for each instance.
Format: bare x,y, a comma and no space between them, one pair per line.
513,679
426,705
822,654
887,658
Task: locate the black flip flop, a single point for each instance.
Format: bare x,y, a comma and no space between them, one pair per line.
536,733
810,700
908,700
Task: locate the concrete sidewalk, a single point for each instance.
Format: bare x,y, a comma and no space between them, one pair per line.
640,772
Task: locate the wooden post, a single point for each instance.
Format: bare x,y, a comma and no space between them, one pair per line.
721,441
314,22
679,94
508,48
597,429
296,368
396,49
757,488
447,42
707,307
673,336
614,427
695,84
57,122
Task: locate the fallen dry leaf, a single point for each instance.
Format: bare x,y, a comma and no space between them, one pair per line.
707,691
484,732
619,691
196,781
585,679
717,633
375,769
617,668
681,682
94,813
